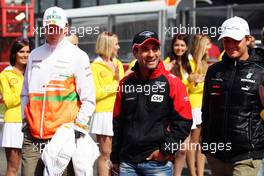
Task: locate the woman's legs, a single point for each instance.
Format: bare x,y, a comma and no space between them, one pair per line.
180,158
13,157
195,152
200,162
105,145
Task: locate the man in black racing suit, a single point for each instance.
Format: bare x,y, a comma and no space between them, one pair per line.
152,113
232,129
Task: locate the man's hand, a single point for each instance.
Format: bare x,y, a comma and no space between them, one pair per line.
261,95
115,169
157,156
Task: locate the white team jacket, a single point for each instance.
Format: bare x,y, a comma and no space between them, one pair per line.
58,87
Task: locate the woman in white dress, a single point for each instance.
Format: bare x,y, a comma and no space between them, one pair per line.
107,71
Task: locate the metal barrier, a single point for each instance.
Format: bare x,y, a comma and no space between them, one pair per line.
213,16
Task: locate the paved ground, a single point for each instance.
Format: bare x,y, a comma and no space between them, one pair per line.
3,162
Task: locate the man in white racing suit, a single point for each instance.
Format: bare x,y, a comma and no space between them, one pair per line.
58,89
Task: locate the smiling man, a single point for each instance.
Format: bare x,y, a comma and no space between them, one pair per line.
231,105
149,125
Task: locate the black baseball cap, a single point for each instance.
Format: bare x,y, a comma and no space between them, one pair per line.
142,37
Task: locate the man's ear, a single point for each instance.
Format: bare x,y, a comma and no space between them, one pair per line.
135,52
248,39
66,29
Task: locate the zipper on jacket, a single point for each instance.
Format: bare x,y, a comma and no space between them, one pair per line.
228,102
42,113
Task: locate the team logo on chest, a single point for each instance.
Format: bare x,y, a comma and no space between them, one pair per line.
157,98
249,75
248,78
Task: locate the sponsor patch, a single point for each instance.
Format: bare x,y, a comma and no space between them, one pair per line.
157,98
245,88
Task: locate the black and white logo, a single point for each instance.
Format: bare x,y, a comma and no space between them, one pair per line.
249,75
146,33
157,98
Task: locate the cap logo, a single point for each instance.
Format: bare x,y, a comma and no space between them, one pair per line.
146,33
232,28
54,16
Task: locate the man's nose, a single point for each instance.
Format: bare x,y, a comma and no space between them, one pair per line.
151,53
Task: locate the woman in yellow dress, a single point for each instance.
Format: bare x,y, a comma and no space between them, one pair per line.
11,81
107,71
199,52
178,64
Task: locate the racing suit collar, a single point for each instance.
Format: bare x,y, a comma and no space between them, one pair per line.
53,47
255,54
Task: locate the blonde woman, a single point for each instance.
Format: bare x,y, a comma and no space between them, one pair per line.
199,51
107,72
